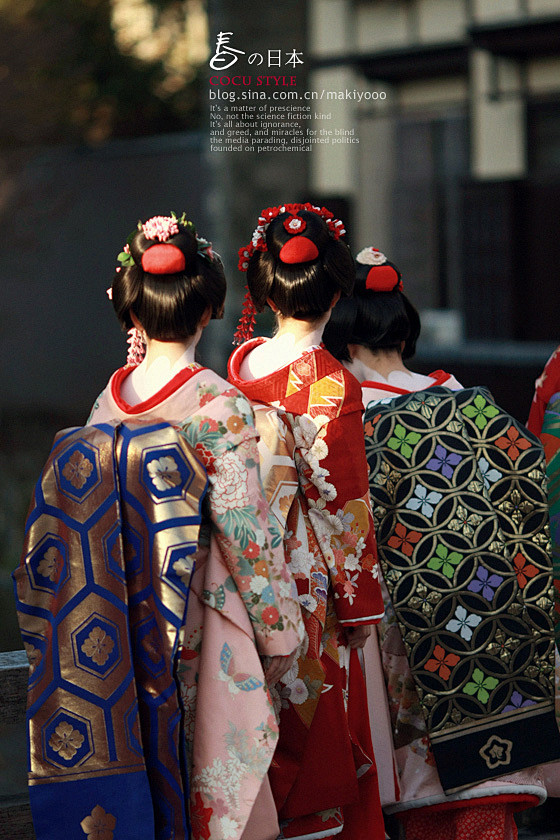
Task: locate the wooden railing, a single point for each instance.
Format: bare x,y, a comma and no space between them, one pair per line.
15,814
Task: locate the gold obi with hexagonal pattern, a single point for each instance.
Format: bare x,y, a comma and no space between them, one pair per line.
102,592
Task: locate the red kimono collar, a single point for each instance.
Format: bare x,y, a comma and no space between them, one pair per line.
440,377
164,393
293,379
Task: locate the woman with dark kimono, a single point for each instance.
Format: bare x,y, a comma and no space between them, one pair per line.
453,480
204,738
308,411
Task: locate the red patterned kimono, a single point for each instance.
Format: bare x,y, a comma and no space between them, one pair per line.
315,476
546,386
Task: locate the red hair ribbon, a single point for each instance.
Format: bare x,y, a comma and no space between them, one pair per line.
163,259
300,249
383,278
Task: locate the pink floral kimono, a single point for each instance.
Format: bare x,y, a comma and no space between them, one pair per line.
242,605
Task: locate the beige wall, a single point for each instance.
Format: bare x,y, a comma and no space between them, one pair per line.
543,75
441,20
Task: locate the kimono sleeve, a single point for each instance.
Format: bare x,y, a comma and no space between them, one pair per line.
247,535
334,468
546,386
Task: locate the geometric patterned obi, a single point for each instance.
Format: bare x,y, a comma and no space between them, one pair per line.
460,507
550,437
102,591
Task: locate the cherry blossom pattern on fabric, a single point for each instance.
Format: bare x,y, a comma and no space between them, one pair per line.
228,449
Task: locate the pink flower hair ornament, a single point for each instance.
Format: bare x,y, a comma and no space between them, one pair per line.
136,347
160,229
299,249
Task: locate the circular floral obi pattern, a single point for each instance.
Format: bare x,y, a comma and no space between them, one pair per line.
461,522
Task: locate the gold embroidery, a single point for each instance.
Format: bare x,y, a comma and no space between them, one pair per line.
65,740
152,645
517,507
503,645
465,522
387,475
164,473
98,646
48,567
34,656
99,825
424,601
285,504
496,752
183,567
77,470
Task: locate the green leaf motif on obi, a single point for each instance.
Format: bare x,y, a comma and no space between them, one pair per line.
480,685
445,560
403,440
481,411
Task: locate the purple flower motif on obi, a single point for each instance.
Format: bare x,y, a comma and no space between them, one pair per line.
517,702
485,582
444,461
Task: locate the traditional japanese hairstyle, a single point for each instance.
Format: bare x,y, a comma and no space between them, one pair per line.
167,277
296,260
378,316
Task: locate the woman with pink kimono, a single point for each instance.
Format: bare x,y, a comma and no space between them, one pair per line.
243,623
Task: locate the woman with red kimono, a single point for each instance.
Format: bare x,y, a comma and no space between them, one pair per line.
546,386
308,413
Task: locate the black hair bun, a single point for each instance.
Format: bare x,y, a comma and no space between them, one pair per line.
185,240
315,229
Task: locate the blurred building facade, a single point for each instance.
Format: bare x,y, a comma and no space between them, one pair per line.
457,172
